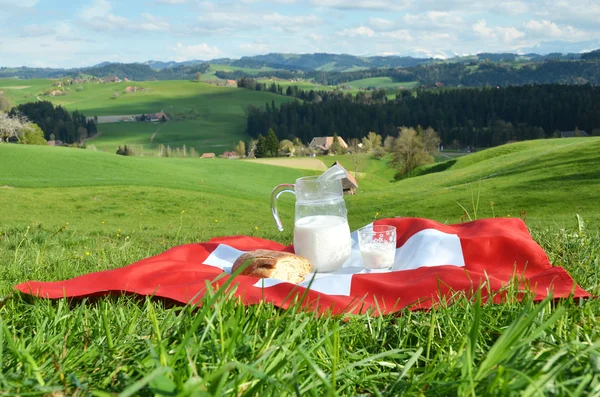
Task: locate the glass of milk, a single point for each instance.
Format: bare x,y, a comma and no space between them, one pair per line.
321,231
377,244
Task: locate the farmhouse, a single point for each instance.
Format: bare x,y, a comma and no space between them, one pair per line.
111,79
231,155
230,83
573,134
323,143
157,116
55,143
349,183
208,156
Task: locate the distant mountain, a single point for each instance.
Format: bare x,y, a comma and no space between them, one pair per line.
159,65
102,64
326,62
290,63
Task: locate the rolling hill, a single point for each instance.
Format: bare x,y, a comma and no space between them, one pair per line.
546,181
206,117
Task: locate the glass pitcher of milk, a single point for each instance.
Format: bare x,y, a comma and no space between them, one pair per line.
321,230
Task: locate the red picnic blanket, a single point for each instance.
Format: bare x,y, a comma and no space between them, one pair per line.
433,262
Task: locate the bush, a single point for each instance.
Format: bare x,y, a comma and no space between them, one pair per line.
125,151
378,153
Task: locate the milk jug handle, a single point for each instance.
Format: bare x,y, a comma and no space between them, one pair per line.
278,191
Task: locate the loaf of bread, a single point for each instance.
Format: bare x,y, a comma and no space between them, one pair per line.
274,264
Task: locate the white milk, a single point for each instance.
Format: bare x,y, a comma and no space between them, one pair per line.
324,240
378,256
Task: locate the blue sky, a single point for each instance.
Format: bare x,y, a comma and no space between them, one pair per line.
59,33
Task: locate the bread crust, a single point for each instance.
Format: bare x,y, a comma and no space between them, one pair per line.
274,264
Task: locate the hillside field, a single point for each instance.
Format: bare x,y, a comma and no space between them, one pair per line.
549,180
207,117
381,82
67,212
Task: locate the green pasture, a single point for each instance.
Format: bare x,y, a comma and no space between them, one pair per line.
67,212
229,68
381,82
305,85
21,91
547,182
206,117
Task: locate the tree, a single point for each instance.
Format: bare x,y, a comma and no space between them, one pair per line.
33,135
388,143
367,145
375,139
12,126
336,146
272,144
261,150
198,76
83,133
358,159
286,147
240,149
409,151
5,105
125,151
431,139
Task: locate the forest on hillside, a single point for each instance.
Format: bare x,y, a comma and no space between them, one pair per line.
481,117
56,122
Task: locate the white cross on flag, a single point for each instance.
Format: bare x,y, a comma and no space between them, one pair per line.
433,262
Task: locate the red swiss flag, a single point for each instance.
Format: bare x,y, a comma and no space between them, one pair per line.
433,262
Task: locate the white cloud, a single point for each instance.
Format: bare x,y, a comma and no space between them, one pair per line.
98,9
577,12
254,48
237,21
99,16
381,24
481,29
509,34
195,51
434,19
549,29
387,5
172,1
510,7
61,30
359,31
152,23
402,34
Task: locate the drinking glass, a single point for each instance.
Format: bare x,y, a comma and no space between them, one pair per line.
377,245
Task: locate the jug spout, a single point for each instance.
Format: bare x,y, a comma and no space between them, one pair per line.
332,173
278,191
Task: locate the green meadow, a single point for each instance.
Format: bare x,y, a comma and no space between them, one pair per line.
381,82
67,212
206,117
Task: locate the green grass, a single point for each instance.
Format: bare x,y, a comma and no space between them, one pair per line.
306,85
381,82
550,180
20,91
207,117
122,209
210,73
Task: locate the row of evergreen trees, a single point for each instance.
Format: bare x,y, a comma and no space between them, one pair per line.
56,122
468,117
